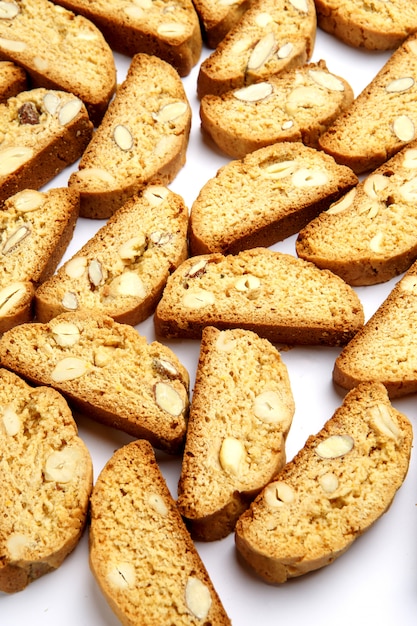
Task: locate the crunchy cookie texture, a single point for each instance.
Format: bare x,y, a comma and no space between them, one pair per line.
296,105
265,197
378,25
130,151
368,236
13,80
333,490
170,31
35,230
231,454
271,37
122,270
46,475
76,58
280,297
382,119
385,348
107,371
140,551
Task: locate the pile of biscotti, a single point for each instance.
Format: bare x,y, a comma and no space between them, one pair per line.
307,159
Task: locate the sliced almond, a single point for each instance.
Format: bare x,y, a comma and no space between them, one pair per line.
75,267
232,453
335,446
285,51
409,284
156,502
159,238
133,248
263,18
329,482
66,334
170,112
12,45
410,158
376,244
122,576
11,296
381,419
69,368
165,368
51,102
327,80
61,465
17,544
197,269
41,63
198,298
123,137
254,93
306,177
269,407
224,343
97,175
171,29
344,203
165,144
168,399
70,301
69,111
300,5
400,84
304,97
263,51
95,272
403,128
15,238
10,420
374,184
134,12
127,284
8,10
155,194
14,157
197,597
408,190
278,494
279,169
27,200
247,282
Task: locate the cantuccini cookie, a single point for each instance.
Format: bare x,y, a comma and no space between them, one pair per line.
106,370
382,119
241,411
333,490
41,132
46,475
379,25
59,50
141,553
35,230
143,139
265,197
276,295
369,235
170,31
122,270
271,37
296,105
386,347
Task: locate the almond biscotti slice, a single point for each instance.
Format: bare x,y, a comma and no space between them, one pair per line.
59,50
272,36
217,18
373,26
240,415
169,31
369,236
41,131
35,230
385,349
13,80
107,371
334,489
143,139
122,270
276,295
141,554
46,476
265,197
382,119
296,105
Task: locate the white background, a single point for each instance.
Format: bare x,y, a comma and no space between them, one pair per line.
375,582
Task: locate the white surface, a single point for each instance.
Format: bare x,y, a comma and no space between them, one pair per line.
374,583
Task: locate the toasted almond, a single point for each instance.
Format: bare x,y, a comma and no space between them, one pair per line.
69,368
344,203
51,102
15,238
197,597
263,51
123,137
11,159
11,296
327,80
403,127
400,84
12,45
300,5
171,29
254,93
285,51
8,10
335,446
170,112
27,200
69,111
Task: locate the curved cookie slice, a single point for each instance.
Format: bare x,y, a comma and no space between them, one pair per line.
42,132
369,236
122,270
141,554
272,36
143,139
378,26
35,230
217,18
280,297
264,198
297,105
107,371
333,490
241,412
386,347
59,50
382,119
46,476
170,31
